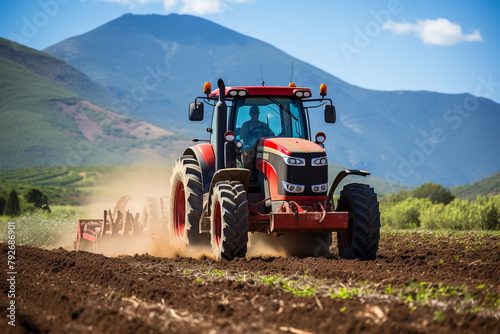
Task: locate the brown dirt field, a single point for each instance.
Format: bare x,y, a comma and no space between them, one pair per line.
420,283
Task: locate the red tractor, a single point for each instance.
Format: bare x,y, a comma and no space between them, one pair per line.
261,171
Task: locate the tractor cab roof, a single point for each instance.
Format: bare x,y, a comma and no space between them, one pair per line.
263,91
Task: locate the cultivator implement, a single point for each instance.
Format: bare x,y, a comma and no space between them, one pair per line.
124,220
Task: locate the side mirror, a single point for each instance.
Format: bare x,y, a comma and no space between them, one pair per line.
196,111
330,113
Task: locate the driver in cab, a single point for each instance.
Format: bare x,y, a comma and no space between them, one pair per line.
251,131
254,123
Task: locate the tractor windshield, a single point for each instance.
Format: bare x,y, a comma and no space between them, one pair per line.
258,117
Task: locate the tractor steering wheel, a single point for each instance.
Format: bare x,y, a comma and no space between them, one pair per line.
255,134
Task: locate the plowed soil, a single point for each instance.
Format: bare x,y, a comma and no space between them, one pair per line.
420,283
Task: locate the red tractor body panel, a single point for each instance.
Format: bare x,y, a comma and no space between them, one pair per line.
207,153
263,91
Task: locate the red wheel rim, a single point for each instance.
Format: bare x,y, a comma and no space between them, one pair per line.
217,225
179,211
347,235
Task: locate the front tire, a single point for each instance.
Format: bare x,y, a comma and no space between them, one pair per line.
360,241
229,220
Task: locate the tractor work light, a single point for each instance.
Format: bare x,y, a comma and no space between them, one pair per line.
234,92
229,136
302,93
292,161
239,144
322,161
207,88
293,188
320,188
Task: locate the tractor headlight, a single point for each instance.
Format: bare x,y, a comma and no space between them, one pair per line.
321,161
320,188
292,161
293,188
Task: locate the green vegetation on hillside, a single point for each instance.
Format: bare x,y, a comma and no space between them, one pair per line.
49,118
489,186
62,185
68,185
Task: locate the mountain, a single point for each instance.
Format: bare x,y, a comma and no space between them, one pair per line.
489,186
51,115
155,65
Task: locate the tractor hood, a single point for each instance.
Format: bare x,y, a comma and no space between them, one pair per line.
289,146
297,169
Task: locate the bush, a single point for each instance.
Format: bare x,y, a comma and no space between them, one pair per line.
481,214
39,199
406,214
435,192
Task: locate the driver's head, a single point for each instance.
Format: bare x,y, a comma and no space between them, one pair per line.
254,112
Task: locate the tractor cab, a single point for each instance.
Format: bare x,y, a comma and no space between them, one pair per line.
256,113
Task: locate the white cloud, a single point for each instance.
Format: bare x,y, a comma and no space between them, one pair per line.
196,7
437,32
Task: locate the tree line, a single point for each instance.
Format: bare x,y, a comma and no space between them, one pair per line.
31,200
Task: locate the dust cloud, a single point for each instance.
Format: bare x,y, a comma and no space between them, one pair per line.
139,183
261,245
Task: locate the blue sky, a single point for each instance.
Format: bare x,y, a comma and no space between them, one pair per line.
445,46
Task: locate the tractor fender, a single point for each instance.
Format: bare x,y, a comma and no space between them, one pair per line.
204,154
340,176
241,175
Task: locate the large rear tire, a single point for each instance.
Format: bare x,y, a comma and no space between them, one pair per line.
360,241
229,220
186,204
306,244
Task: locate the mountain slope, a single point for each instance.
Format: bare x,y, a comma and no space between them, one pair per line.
46,122
489,186
156,65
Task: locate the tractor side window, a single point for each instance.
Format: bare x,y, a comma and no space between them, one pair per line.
292,121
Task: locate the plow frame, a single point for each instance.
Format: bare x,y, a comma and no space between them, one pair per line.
93,231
